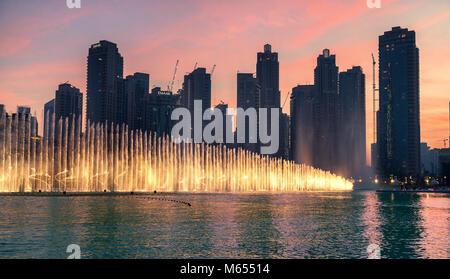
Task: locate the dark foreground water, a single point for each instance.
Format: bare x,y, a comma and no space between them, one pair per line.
306,225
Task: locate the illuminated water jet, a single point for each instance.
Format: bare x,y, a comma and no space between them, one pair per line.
108,157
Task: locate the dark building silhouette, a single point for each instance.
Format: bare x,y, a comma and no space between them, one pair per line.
374,157
137,90
68,102
196,86
158,107
301,135
25,112
49,111
325,113
352,129
268,77
283,149
248,93
398,123
105,94
267,74
223,108
22,128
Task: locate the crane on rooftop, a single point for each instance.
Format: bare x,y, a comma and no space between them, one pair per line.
170,86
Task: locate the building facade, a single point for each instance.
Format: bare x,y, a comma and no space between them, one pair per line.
326,113
301,125
137,90
352,126
104,88
398,122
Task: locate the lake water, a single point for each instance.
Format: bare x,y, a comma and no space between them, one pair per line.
304,225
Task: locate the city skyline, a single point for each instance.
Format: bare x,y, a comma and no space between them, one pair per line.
67,61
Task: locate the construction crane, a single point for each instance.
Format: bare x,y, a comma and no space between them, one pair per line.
374,102
195,66
170,86
445,143
213,68
288,94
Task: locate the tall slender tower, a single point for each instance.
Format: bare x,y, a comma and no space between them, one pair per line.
267,74
352,126
137,90
268,77
248,93
398,128
104,76
325,112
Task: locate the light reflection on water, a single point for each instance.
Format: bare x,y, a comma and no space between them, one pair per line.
304,225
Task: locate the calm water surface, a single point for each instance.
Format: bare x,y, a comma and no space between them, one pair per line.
305,225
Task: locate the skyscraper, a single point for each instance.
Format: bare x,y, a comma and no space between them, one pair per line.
68,102
26,113
301,135
196,86
248,93
352,126
398,123
267,74
104,74
283,150
137,89
49,110
325,112
158,107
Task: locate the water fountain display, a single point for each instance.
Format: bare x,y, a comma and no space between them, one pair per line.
110,158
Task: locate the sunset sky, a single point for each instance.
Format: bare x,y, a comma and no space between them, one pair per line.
43,44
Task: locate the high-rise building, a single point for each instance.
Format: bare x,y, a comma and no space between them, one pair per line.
267,74
104,83
196,86
26,113
325,113
49,111
352,126
429,160
68,110
398,123
283,149
301,135
22,128
137,89
248,93
68,102
225,133
158,107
